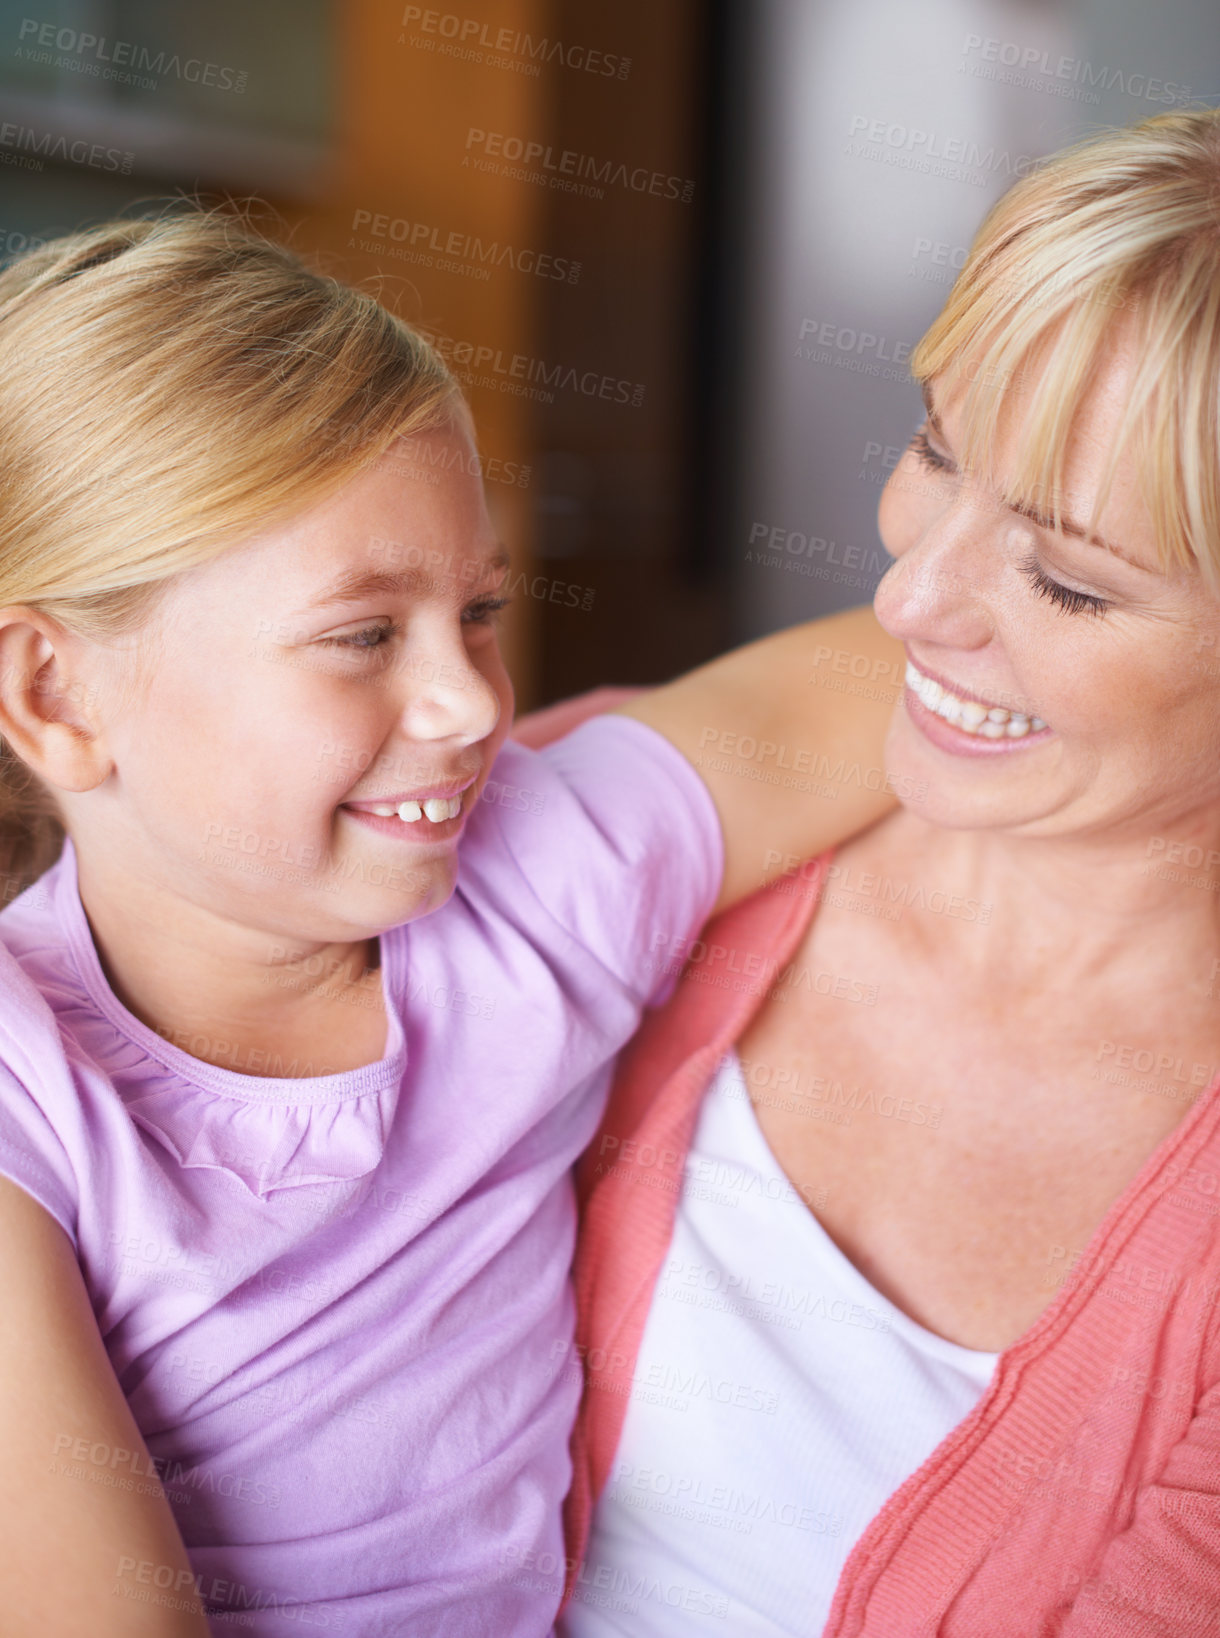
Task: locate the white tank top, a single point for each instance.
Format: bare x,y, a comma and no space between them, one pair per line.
778,1400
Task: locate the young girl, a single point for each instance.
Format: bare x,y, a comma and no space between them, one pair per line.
289,1086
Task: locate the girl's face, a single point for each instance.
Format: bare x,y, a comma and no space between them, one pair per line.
1016,620
339,662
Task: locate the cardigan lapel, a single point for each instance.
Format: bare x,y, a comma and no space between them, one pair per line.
629,1181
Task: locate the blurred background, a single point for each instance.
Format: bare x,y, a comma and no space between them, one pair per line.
678,250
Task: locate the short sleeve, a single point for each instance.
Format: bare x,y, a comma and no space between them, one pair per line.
34,1074
618,841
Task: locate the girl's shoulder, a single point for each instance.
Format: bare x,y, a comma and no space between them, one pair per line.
44,1113
35,964
606,839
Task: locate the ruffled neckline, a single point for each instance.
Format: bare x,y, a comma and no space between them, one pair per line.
271,1132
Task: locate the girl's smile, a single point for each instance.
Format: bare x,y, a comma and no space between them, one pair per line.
427,819
356,702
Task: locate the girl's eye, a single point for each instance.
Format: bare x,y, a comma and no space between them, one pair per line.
929,456
484,612
375,637
1074,602
371,637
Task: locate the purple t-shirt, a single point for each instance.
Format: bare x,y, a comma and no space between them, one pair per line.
338,1305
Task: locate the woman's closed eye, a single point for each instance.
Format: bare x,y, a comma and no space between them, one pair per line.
928,455
1066,597
1072,601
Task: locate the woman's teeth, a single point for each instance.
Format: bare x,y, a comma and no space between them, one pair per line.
436,808
984,721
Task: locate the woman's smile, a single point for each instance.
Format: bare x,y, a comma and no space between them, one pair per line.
962,723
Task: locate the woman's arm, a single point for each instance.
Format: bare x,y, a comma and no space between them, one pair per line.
787,734
90,1547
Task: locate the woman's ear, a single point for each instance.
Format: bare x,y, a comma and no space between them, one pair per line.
46,705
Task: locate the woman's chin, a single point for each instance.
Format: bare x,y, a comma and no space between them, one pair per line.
957,790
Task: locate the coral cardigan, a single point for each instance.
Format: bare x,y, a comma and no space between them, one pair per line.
1081,1496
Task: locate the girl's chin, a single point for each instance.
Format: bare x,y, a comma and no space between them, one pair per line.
405,888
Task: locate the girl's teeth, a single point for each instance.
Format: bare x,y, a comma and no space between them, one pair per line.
436,809
990,722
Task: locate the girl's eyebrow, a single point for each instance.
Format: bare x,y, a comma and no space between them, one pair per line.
359,584
1065,526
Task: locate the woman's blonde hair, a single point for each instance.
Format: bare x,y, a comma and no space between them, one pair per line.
1124,225
167,387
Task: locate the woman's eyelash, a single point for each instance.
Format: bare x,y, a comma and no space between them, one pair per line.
929,456
1074,602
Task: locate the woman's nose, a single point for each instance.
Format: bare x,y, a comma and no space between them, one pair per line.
938,579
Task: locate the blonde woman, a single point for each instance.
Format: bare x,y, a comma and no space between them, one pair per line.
899,1301
310,997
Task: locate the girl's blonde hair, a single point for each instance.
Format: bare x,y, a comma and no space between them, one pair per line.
168,387
1124,225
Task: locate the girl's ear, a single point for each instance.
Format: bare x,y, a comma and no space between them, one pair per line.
46,709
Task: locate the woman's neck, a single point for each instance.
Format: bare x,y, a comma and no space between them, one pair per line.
1029,910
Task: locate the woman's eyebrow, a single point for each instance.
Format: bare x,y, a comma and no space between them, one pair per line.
930,408
1066,526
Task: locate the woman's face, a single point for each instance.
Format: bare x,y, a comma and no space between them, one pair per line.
1120,661
345,658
